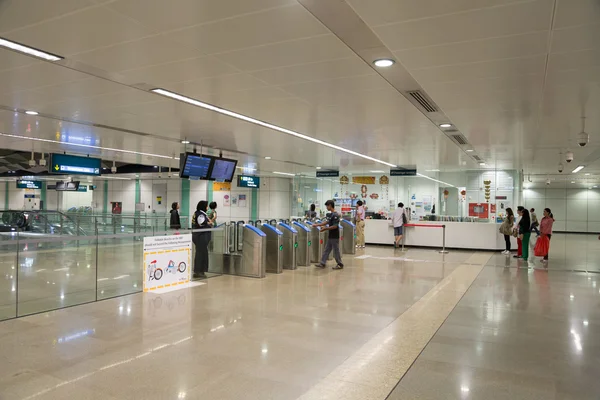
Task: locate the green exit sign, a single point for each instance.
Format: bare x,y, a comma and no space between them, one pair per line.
280,247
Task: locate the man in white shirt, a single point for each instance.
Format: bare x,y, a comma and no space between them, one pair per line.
360,224
398,219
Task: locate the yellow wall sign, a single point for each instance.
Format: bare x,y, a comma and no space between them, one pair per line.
222,186
363,180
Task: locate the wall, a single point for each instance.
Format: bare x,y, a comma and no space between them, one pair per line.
575,210
70,199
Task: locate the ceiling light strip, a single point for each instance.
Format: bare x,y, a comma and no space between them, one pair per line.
88,146
579,168
232,114
435,180
29,50
283,173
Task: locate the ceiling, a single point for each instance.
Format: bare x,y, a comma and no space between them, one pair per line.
512,76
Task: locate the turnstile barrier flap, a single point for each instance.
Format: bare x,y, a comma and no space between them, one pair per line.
255,230
302,227
277,231
289,228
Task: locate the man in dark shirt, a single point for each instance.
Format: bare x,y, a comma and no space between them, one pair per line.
333,243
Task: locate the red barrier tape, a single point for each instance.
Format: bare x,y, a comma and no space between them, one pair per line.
426,225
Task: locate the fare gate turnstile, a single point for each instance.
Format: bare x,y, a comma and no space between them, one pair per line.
274,261
250,262
304,244
317,239
254,255
290,245
348,245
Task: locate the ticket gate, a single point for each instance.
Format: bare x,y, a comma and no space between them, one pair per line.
317,239
304,244
250,262
274,239
290,245
348,241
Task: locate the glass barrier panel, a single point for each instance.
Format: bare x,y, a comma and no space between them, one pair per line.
120,264
8,276
54,272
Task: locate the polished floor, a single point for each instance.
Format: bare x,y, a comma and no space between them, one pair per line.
392,324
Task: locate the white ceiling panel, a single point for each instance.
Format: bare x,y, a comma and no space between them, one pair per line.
485,23
475,51
302,51
179,71
16,14
577,38
79,31
163,15
576,13
573,60
318,71
200,88
482,70
380,12
35,76
257,29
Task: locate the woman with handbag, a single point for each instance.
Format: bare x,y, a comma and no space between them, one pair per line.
525,233
506,229
546,230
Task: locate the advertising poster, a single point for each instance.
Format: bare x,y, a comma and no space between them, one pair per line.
167,261
226,200
242,200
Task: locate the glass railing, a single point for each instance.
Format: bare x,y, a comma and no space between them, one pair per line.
42,272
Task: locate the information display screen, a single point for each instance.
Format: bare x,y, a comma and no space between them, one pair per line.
196,166
223,170
26,184
67,186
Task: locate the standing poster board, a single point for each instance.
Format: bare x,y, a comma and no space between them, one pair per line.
167,261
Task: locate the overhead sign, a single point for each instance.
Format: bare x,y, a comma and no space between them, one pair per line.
221,186
26,184
363,180
82,188
409,171
167,261
66,164
328,173
249,181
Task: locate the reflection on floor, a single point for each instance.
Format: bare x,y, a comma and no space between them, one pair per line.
418,324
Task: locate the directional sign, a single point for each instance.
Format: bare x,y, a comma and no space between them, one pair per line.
27,184
66,164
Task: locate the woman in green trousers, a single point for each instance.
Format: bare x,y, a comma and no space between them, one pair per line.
525,232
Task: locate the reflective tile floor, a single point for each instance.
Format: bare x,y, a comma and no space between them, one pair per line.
412,325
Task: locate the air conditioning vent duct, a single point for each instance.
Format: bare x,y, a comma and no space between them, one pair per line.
477,158
460,139
422,99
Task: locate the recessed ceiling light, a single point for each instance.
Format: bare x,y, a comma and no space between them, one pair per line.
377,172
435,180
267,158
572,181
445,125
482,164
432,170
185,142
587,174
29,50
470,150
255,121
283,173
318,167
30,112
384,62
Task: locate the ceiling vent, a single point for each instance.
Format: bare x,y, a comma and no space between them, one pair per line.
460,139
477,158
422,99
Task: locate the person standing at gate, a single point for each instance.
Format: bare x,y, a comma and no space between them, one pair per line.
200,221
333,242
398,219
360,224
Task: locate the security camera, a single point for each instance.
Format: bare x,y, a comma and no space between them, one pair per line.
547,181
582,139
560,167
113,169
169,174
42,162
32,163
569,156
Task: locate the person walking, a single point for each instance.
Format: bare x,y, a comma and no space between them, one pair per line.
200,221
212,213
360,224
312,214
525,233
175,222
333,242
507,229
534,221
516,229
398,220
546,228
